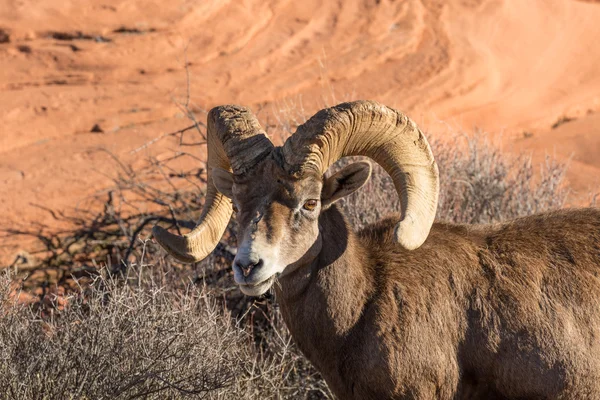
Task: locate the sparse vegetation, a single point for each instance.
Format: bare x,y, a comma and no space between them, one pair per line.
144,326
561,120
142,336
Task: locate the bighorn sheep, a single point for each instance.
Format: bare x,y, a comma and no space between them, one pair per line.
406,308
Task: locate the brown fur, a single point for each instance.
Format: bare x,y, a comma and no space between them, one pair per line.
504,311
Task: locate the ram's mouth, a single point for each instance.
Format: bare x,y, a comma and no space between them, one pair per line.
256,289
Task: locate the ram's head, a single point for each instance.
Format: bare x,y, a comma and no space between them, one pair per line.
280,192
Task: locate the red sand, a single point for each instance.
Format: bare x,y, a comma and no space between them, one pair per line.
506,67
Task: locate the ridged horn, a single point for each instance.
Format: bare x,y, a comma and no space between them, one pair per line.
235,141
387,136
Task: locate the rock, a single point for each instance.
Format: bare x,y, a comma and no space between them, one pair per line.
4,36
96,129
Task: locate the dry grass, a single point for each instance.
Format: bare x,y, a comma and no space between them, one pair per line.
117,339
147,327
144,336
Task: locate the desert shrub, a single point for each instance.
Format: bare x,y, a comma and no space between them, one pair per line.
143,336
116,339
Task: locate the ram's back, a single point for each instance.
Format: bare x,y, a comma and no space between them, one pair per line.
555,254
519,302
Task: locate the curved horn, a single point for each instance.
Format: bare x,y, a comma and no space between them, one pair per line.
388,137
235,140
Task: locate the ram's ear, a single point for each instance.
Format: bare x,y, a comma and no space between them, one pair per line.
223,181
344,182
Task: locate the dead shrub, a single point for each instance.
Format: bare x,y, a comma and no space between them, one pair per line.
144,336
118,339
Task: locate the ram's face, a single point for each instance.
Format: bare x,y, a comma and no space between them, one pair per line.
278,218
277,223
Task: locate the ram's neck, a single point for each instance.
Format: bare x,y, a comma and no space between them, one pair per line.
322,301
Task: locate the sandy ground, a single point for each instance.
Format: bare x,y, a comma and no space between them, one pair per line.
512,68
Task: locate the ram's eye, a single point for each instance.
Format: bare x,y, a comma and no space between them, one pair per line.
310,204
235,209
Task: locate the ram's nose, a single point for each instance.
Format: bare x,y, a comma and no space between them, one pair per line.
247,265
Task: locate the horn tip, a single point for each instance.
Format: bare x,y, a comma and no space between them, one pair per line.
173,244
409,234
